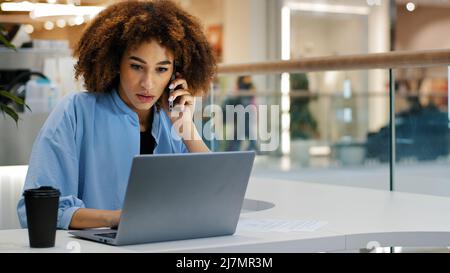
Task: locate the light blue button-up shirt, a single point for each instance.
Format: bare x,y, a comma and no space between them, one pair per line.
85,150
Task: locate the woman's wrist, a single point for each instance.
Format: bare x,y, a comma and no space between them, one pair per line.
194,143
192,133
111,218
90,218
184,127
106,218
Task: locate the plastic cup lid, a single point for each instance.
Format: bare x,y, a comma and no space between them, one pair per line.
44,191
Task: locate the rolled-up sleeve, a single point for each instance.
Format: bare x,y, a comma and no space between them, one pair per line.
54,162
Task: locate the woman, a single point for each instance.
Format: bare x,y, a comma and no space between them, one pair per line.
135,58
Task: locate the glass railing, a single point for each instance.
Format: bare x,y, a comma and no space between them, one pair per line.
422,130
336,126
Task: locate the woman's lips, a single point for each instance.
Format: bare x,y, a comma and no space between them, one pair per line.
145,98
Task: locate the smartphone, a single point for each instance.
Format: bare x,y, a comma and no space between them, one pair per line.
172,78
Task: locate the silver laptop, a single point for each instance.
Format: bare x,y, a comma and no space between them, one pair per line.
180,196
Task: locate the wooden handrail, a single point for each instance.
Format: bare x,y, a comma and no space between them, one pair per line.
395,59
303,94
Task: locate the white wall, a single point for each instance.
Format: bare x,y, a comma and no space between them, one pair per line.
237,31
246,30
327,34
208,11
379,41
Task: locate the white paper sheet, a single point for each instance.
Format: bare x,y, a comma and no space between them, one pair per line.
279,225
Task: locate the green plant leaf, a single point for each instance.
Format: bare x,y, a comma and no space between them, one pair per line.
6,42
3,107
13,98
10,112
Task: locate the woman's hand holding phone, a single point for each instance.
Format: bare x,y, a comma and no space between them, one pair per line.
179,103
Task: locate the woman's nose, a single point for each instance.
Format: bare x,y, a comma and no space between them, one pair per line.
147,82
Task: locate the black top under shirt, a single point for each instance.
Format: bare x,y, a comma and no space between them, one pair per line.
147,140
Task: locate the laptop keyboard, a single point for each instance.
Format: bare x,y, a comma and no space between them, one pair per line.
107,235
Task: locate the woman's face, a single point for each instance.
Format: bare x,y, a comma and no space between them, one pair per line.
144,74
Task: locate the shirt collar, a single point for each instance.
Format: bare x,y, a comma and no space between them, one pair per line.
121,104
157,119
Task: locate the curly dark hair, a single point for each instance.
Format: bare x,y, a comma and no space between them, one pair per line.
126,25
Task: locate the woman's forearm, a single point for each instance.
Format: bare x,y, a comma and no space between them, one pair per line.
195,143
94,218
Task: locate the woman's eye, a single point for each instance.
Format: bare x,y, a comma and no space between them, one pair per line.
161,69
136,67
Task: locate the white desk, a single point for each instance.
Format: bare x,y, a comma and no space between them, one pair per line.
355,218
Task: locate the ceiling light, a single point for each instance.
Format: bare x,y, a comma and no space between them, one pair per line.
410,6
71,21
49,25
21,6
79,20
61,23
44,10
28,28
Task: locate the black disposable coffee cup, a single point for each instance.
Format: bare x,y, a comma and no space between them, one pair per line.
41,205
